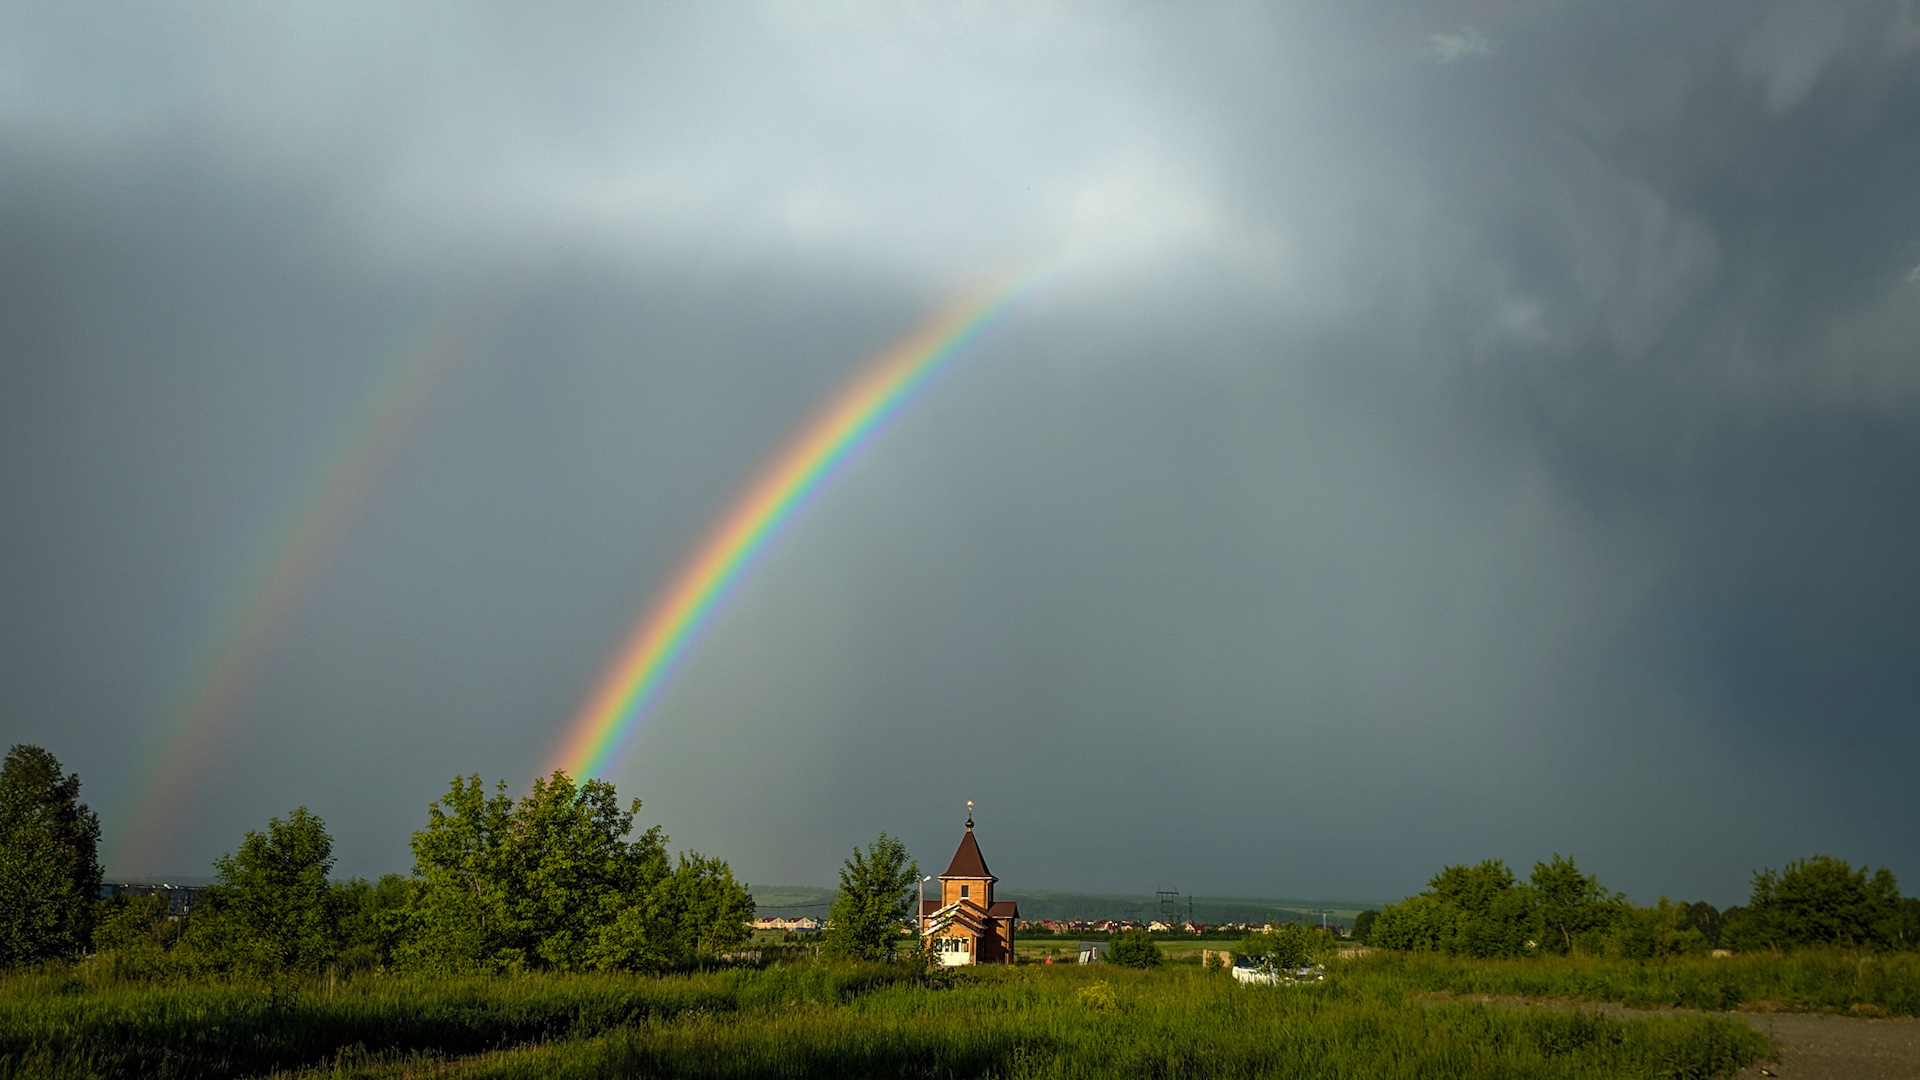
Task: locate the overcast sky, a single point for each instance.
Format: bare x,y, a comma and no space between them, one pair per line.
1453,430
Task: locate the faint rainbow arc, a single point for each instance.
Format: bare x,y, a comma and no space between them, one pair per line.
203,710
640,669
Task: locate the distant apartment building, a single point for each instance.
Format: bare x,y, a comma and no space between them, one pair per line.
181,899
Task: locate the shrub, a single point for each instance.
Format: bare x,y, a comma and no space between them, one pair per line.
1099,995
1289,946
1135,949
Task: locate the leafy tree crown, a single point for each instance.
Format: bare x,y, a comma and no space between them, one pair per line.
49,860
875,900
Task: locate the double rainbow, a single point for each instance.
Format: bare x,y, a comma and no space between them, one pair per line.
605,725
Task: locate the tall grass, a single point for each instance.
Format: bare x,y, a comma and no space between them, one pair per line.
824,1020
1885,984
1061,1023
81,1024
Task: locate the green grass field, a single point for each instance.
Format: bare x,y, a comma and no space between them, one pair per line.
1869,984
1088,1023
1369,1020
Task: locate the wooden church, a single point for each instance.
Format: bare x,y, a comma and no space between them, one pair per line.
967,925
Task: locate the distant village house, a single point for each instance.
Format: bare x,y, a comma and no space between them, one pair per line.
792,926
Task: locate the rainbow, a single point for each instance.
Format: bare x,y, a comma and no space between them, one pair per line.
260,602
606,722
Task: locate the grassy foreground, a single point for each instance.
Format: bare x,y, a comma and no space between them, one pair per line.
87,1024
829,1021
1869,984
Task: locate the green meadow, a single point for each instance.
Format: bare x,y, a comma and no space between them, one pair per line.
1370,1019
1810,980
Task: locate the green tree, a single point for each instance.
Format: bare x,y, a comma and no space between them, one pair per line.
1707,919
712,910
874,902
1467,910
131,924
373,918
1675,932
459,918
49,861
1493,911
1737,930
1421,923
697,910
1901,930
1645,933
1818,901
1134,949
135,935
271,907
559,880
1363,925
1575,910
575,869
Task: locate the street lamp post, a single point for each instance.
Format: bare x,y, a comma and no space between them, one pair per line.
921,912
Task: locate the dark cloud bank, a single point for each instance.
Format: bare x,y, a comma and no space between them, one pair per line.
1459,431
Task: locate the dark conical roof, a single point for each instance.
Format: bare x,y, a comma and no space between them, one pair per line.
967,861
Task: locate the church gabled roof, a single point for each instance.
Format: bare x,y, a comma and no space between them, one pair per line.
967,862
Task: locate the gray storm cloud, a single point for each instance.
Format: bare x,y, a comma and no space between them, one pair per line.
1454,430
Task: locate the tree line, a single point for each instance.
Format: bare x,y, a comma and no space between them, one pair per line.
1486,911
557,880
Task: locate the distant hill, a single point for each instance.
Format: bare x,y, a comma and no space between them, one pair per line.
812,900
1211,910
791,901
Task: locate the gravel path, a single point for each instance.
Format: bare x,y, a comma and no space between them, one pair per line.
1819,1046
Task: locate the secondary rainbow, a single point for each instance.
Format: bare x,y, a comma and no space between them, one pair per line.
202,712
605,724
